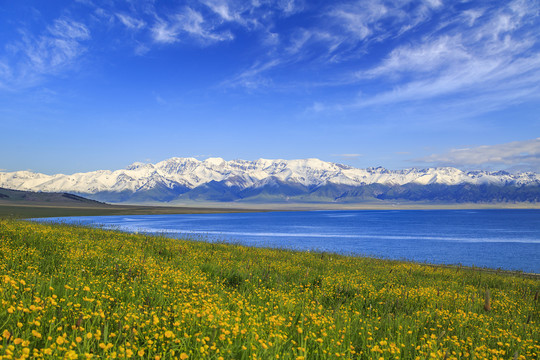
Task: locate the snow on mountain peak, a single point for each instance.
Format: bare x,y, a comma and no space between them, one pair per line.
191,173
139,165
215,161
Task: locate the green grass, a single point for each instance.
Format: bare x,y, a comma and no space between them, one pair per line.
75,292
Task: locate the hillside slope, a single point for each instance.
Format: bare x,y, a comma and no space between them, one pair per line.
19,196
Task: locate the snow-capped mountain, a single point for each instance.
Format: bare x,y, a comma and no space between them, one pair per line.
301,180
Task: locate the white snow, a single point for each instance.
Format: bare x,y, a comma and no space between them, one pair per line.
191,173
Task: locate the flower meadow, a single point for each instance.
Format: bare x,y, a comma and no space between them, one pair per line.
81,293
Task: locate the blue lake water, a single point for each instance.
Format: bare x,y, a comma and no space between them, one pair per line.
506,239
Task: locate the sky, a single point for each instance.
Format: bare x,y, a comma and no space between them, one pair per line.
88,85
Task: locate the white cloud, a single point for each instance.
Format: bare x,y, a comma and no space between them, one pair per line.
68,29
470,50
5,74
434,3
159,99
359,18
164,32
191,23
496,54
349,156
376,20
221,7
195,25
427,57
31,57
51,52
250,15
501,78
252,78
342,33
131,22
290,7
472,15
304,39
522,154
141,49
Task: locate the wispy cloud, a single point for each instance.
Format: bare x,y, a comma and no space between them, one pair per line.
202,156
195,25
480,54
341,35
349,156
191,23
159,99
131,22
222,8
359,18
68,29
252,78
424,48
31,57
290,7
165,32
376,20
517,154
487,52
433,55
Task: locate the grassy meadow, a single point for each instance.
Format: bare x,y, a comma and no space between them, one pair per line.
75,292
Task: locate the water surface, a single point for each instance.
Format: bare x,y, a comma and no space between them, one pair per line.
506,239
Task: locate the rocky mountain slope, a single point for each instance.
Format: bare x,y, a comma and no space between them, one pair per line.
307,180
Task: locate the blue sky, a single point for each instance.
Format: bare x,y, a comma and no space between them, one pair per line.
87,85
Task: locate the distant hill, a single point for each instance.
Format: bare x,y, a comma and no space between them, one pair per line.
188,180
29,204
27,197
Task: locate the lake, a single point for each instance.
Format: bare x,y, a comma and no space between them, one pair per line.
506,239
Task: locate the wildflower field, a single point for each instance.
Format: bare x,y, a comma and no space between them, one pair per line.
75,292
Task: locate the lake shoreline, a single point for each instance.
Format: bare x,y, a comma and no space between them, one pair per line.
278,206
38,209
45,210
495,239
456,267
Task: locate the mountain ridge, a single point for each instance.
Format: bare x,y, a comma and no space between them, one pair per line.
301,180
21,196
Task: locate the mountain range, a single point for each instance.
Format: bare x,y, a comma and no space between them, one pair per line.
178,180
